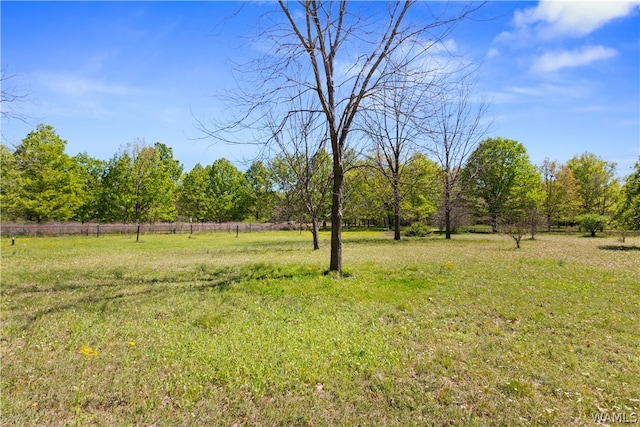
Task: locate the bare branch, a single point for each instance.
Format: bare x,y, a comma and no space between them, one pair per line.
336,60
11,95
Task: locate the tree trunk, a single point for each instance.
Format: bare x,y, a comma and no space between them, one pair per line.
494,223
396,212
447,222
534,225
447,214
315,230
336,214
396,225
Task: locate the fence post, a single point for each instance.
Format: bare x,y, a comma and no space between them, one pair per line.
98,231
138,233
13,241
237,230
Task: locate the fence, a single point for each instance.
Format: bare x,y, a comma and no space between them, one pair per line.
94,229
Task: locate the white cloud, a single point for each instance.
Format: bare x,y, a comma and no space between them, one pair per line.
560,91
62,94
553,61
551,18
80,86
492,53
591,108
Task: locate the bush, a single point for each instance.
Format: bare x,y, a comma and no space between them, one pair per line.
592,222
417,230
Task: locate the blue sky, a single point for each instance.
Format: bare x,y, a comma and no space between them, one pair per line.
563,77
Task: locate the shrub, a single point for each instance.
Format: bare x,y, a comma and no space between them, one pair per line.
417,230
592,222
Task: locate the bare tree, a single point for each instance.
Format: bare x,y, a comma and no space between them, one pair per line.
10,96
454,131
389,121
339,58
301,146
516,229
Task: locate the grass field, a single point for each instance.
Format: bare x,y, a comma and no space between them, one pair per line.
225,330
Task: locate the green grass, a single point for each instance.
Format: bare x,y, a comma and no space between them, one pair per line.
250,331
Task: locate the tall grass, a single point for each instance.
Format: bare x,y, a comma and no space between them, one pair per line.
220,330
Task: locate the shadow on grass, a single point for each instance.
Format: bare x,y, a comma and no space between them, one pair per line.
220,279
622,248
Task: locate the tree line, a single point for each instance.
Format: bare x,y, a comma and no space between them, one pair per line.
371,119
143,183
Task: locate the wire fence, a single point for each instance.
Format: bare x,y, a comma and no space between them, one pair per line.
189,228
95,229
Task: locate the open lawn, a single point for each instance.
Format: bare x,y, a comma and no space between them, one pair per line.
226,330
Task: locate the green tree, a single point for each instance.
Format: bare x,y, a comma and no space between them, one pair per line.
155,187
365,194
628,211
167,179
497,174
9,185
117,202
172,167
229,192
421,188
592,222
597,185
50,183
138,186
92,171
526,198
560,202
263,199
195,201
288,205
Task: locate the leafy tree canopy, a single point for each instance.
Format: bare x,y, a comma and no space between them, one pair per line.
596,182
500,175
49,181
628,212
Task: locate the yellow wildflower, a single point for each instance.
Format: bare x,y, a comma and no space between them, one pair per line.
87,352
131,344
